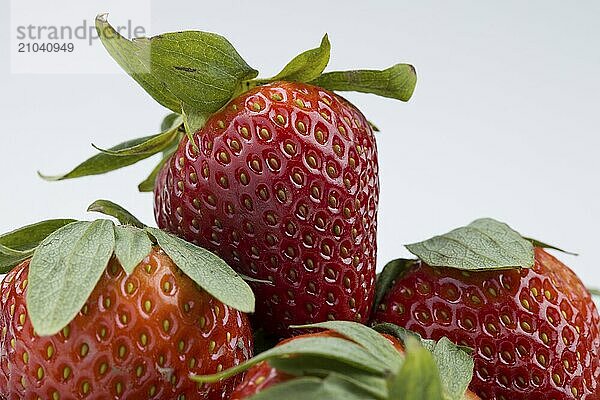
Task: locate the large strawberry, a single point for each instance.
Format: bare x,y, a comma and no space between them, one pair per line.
285,189
349,361
100,312
278,176
535,330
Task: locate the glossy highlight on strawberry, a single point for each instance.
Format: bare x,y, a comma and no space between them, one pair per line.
137,336
535,331
282,183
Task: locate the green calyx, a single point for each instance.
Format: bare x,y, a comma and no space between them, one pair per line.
194,74
361,364
484,244
68,258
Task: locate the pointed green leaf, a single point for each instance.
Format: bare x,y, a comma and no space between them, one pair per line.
307,66
13,253
419,376
199,69
379,347
193,121
397,82
482,245
331,388
454,362
455,367
114,210
8,259
295,389
154,144
207,270
543,245
338,349
403,334
18,245
320,367
134,57
30,236
132,245
63,272
170,121
148,184
391,272
373,127
103,163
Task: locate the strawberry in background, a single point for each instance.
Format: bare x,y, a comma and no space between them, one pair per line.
532,323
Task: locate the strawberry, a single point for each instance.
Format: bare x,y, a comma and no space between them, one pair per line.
277,176
285,189
534,331
298,369
139,334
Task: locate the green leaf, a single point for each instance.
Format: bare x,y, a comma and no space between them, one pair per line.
331,388
385,280
170,121
397,82
319,367
379,347
482,245
148,184
306,66
109,208
338,349
193,121
63,272
207,270
103,163
543,245
134,57
455,367
199,69
373,127
402,333
132,245
419,376
18,245
154,144
454,362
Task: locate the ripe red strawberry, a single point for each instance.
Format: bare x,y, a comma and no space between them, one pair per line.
138,336
146,325
535,331
284,187
278,175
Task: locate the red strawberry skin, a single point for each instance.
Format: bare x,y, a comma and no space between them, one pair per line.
119,346
283,186
535,331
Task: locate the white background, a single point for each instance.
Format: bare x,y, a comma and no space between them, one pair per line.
505,121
